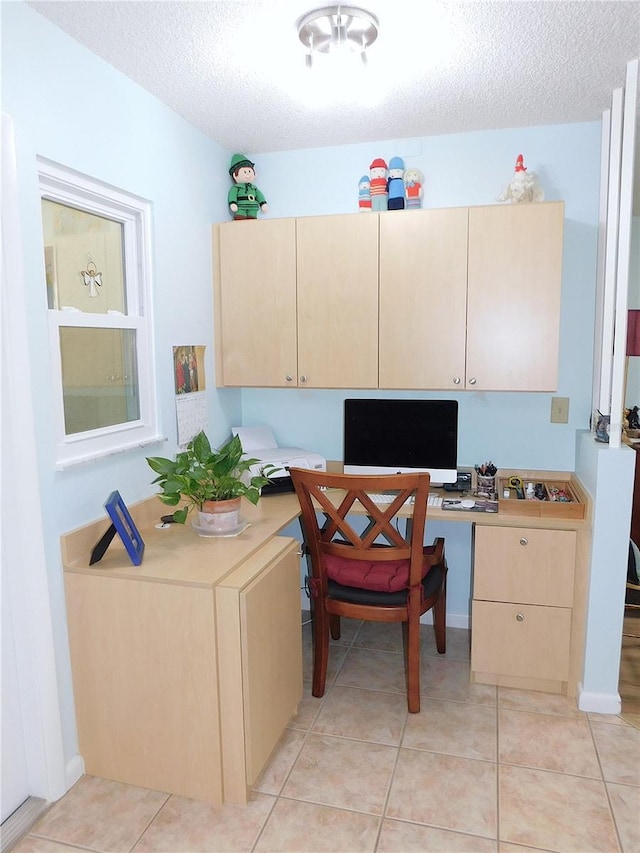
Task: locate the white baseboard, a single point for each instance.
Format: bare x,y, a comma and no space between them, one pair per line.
599,703
454,620
73,771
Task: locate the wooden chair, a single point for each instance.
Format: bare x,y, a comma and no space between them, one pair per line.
359,576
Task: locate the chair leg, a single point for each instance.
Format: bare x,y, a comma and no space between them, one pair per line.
334,626
320,649
412,658
440,620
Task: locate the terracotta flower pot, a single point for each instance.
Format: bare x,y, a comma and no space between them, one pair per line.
220,516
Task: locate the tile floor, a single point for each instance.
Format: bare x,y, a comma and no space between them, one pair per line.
479,769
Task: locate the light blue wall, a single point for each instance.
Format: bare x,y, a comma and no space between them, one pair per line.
464,169
71,107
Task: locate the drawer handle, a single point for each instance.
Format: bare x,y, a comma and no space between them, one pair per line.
524,541
289,377
520,617
303,378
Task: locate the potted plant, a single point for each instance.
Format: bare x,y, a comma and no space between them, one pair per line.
210,481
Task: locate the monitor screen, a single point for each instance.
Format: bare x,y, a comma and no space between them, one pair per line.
391,436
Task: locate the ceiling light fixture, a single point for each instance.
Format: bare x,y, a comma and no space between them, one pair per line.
333,29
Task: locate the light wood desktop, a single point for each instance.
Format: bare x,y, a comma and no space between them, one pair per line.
185,676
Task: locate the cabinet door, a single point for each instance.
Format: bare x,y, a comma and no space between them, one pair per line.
423,299
527,565
256,301
338,301
260,660
514,285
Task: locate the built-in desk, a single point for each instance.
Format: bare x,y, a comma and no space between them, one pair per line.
187,669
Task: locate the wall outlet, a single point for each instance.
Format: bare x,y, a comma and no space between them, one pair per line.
559,410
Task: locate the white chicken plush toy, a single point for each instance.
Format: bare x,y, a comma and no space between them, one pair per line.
523,186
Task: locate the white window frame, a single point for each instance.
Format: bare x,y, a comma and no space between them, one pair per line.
65,186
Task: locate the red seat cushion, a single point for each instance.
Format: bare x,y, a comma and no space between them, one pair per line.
384,576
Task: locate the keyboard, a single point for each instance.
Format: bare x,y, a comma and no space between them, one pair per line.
387,498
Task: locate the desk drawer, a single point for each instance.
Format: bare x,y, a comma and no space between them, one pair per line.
521,564
520,640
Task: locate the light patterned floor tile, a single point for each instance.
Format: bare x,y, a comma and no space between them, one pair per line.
445,791
373,669
296,827
280,763
543,703
625,802
32,844
400,837
337,655
612,719
554,811
547,742
106,816
449,679
363,714
386,636
619,752
344,773
307,709
458,643
189,826
455,728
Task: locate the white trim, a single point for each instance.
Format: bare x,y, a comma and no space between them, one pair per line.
22,537
624,253
605,144
74,770
599,703
611,256
66,186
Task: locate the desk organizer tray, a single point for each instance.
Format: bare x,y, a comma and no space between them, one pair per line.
553,506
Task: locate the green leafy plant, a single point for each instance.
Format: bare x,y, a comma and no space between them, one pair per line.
200,474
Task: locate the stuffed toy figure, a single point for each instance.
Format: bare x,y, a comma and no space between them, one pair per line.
522,187
378,184
395,184
413,188
245,199
364,194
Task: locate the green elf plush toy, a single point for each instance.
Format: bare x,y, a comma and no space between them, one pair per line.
245,199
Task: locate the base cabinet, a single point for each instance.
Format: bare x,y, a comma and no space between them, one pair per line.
521,617
186,687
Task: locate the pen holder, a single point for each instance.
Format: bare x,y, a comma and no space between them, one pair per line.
486,485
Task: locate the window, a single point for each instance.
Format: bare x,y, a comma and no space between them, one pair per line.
97,271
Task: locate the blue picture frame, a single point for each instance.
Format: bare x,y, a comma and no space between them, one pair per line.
124,526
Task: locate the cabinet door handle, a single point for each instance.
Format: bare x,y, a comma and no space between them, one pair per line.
524,541
456,380
289,377
519,617
303,378
473,381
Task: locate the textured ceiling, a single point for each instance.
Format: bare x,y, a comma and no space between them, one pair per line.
236,70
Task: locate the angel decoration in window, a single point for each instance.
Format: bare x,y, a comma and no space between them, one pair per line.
92,278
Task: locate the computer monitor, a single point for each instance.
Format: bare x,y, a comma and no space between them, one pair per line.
391,436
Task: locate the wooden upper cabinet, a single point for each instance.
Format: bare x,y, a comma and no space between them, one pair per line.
447,299
338,301
514,288
256,339
423,298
